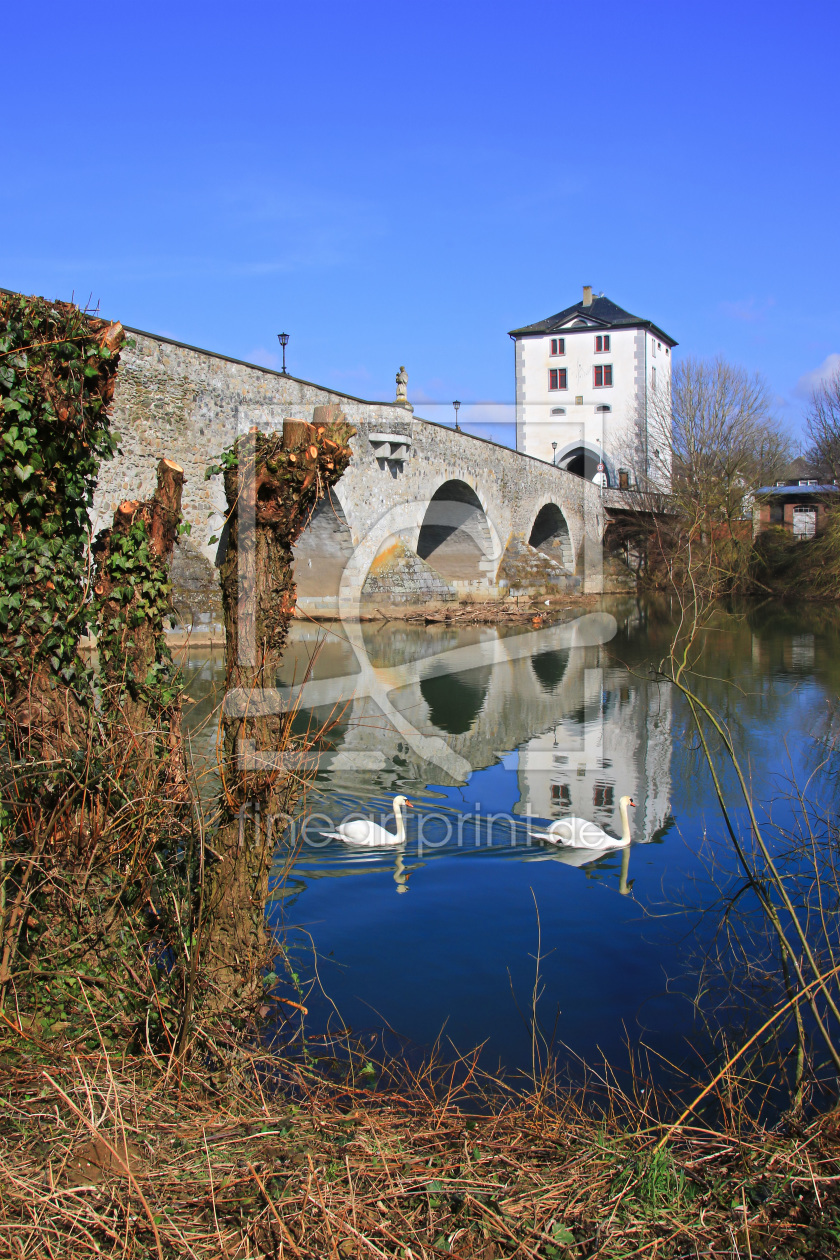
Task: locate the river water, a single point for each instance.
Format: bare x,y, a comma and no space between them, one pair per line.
489,730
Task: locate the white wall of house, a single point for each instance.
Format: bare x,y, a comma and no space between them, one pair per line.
640,362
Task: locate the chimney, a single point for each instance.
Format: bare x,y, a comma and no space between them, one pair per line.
587,295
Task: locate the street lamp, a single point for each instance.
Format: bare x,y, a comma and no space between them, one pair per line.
283,338
456,405
554,453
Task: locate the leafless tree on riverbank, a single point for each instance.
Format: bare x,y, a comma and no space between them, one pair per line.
702,447
822,424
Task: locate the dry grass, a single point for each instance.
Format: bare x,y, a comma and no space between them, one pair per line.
106,1157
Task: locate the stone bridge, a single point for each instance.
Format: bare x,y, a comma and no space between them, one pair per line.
424,514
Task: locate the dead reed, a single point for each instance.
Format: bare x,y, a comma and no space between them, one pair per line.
107,1155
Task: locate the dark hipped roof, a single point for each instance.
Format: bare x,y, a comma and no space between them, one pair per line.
780,492
602,312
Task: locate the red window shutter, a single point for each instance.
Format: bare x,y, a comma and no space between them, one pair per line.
608,374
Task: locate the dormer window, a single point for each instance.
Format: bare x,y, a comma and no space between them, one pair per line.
603,376
602,345
558,345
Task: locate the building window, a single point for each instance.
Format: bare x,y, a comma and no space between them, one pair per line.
558,411
623,479
602,345
558,345
557,378
653,348
603,796
603,375
560,794
604,407
653,378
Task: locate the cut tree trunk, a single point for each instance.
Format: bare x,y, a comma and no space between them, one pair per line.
133,560
271,493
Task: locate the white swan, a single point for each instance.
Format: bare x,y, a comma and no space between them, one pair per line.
363,832
579,833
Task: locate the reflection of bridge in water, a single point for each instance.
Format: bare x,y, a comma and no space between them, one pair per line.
431,706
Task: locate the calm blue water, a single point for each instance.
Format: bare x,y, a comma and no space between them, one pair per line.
485,729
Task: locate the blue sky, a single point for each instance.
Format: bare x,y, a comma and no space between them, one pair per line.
403,184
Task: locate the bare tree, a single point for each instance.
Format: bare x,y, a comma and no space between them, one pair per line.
703,447
822,424
713,436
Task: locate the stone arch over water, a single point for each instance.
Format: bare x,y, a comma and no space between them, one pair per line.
550,534
455,536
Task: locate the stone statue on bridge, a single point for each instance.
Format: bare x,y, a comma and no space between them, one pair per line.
402,386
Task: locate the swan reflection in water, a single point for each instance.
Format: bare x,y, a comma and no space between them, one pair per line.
588,857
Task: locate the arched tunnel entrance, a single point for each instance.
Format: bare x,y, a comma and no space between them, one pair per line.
455,536
550,534
584,462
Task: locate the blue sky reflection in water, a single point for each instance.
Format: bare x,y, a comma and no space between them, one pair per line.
442,934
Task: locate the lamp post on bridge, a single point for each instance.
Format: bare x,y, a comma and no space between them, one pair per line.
456,404
554,454
283,338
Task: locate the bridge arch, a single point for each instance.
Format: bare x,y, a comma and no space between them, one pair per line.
456,537
550,534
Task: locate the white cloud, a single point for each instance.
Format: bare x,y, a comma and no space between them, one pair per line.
806,384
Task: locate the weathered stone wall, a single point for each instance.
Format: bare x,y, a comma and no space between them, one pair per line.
399,577
190,405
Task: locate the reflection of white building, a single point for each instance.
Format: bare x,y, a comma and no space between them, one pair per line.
585,382
618,744
421,705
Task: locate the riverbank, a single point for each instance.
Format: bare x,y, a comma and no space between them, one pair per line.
109,1155
509,612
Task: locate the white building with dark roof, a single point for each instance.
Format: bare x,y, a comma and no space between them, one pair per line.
584,385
